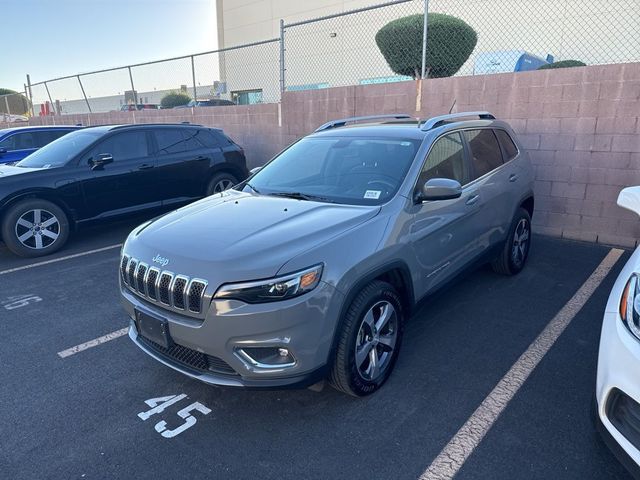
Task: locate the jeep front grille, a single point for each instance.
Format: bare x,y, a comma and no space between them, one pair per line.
163,287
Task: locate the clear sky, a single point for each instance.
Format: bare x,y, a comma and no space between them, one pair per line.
53,38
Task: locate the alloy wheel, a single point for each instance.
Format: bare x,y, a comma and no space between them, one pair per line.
222,185
376,341
520,245
37,229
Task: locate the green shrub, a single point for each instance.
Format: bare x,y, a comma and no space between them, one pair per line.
18,103
563,64
174,99
450,42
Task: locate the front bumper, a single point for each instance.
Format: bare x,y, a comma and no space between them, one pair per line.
209,349
619,374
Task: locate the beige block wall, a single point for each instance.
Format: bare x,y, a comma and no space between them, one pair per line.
580,127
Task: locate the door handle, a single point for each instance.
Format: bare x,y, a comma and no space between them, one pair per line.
472,199
145,166
513,177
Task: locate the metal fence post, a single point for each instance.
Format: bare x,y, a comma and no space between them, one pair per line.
84,94
30,94
133,88
49,95
282,69
193,76
424,38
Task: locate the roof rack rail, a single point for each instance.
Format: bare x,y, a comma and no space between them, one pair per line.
158,124
442,119
343,121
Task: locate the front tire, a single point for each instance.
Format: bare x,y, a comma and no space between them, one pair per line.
369,340
515,252
35,227
221,182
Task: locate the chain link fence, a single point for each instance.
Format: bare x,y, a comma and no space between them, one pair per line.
246,74
341,49
377,44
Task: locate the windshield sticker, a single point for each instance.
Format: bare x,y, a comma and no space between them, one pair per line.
375,194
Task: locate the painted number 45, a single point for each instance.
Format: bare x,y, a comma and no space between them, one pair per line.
158,405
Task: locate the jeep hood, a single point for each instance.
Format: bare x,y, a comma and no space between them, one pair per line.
240,236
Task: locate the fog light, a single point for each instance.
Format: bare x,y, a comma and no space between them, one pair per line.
266,357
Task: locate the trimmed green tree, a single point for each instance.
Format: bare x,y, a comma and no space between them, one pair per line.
18,103
450,42
563,64
174,99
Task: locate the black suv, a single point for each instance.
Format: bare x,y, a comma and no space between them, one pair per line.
103,172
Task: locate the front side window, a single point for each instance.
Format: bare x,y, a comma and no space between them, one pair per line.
485,151
8,143
60,151
124,146
19,141
445,160
350,170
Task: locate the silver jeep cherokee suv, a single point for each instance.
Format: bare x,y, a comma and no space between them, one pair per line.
310,268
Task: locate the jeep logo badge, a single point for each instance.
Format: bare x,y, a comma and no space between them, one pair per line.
160,260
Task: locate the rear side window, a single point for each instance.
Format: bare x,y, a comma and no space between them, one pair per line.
485,150
227,139
214,139
124,146
192,139
445,160
170,141
508,146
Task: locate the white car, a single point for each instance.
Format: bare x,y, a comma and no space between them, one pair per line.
618,380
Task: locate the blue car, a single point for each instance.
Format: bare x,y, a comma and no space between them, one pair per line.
16,143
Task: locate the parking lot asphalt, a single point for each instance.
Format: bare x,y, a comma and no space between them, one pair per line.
77,416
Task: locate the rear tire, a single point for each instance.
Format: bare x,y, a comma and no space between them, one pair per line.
221,182
35,227
515,252
369,340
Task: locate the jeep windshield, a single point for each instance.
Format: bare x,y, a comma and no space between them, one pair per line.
60,151
350,170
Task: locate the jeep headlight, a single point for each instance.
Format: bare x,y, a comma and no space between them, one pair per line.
630,305
273,289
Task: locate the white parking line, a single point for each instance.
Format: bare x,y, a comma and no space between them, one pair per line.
93,343
462,445
60,259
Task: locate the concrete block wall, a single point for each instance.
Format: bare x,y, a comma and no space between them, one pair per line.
579,125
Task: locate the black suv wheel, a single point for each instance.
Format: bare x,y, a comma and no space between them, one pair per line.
35,227
221,182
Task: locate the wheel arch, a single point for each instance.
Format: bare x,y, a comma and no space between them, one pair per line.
528,203
226,168
397,274
49,196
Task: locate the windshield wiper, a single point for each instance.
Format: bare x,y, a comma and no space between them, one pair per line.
252,188
301,196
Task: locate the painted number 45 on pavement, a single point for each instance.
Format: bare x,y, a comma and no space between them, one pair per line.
158,405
